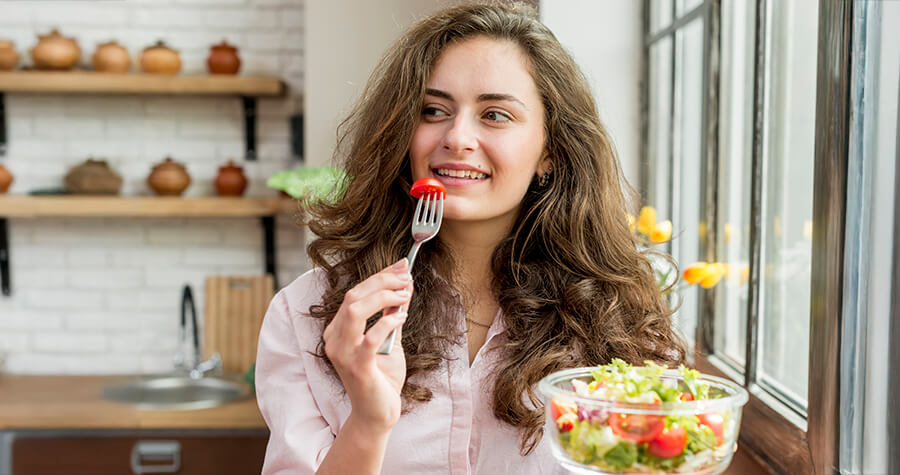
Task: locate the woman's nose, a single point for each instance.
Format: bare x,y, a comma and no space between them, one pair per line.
461,136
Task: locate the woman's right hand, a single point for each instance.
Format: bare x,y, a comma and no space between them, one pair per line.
373,382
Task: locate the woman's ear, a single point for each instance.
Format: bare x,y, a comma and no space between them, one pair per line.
545,167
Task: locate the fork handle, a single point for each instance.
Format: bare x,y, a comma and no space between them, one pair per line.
388,344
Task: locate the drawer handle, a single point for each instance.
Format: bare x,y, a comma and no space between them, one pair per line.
156,451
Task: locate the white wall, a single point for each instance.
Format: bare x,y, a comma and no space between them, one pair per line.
103,295
604,37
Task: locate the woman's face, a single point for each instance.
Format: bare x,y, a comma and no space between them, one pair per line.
482,130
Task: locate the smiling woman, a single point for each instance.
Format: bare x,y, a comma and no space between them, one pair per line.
534,269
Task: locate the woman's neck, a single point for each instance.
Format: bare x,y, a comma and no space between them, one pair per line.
472,245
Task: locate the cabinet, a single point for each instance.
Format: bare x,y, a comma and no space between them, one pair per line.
106,452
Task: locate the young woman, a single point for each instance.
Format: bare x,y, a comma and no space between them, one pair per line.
534,268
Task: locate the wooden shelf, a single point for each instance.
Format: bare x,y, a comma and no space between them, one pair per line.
19,206
76,82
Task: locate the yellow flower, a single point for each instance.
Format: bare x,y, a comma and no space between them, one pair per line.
695,272
631,222
714,273
647,220
661,232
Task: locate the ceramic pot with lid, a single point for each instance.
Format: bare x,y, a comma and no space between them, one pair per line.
160,59
93,177
6,179
111,57
169,178
223,59
9,57
231,180
55,51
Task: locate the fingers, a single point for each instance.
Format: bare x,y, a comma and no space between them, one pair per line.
381,329
385,291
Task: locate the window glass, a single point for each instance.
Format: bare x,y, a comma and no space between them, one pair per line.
736,76
688,129
786,233
660,124
660,14
683,7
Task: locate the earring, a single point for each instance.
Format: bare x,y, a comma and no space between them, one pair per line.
545,177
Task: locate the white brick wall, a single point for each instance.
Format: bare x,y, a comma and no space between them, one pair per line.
103,295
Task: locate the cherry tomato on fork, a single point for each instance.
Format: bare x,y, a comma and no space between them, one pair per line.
426,185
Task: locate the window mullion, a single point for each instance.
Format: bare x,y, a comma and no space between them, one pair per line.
710,166
756,185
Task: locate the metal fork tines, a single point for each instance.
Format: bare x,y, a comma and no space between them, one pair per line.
426,224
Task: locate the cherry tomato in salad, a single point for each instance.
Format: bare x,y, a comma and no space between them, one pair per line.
426,185
558,408
637,428
686,397
716,422
669,443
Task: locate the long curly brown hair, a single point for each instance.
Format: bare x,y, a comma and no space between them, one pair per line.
573,286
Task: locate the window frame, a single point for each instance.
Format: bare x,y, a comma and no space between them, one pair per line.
770,436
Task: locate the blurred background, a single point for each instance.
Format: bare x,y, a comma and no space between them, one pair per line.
139,138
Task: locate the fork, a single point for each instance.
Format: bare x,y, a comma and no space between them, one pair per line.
425,225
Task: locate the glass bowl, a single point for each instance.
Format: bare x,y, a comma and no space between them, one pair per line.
614,437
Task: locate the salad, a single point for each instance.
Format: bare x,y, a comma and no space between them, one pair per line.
645,434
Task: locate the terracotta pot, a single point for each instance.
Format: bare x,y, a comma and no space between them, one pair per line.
93,177
231,180
6,179
111,57
160,59
223,59
9,57
169,178
55,51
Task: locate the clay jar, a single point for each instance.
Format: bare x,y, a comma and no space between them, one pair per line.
111,57
55,51
93,177
6,179
223,59
160,59
231,180
169,178
9,57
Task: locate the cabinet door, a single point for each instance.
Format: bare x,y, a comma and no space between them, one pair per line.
117,455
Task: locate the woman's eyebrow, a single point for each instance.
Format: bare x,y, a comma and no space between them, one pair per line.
492,96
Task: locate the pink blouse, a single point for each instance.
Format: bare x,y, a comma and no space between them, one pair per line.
303,405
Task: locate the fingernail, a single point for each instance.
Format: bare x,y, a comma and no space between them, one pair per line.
399,264
401,315
403,293
405,276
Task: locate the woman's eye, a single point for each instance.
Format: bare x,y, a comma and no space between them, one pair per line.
496,116
432,112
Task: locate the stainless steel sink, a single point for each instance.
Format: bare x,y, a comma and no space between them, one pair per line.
176,392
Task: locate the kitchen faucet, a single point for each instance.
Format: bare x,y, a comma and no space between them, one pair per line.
197,369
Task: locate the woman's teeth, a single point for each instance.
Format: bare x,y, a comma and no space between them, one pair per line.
460,173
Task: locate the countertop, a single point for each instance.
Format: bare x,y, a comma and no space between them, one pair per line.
74,402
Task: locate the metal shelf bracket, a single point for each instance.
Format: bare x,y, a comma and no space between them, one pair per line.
249,107
4,258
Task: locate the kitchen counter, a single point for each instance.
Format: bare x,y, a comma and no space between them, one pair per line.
74,402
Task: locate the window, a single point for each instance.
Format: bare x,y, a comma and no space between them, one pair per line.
745,148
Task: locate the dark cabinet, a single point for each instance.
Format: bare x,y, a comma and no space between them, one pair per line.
135,452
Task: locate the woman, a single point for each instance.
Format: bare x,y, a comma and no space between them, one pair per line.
534,268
